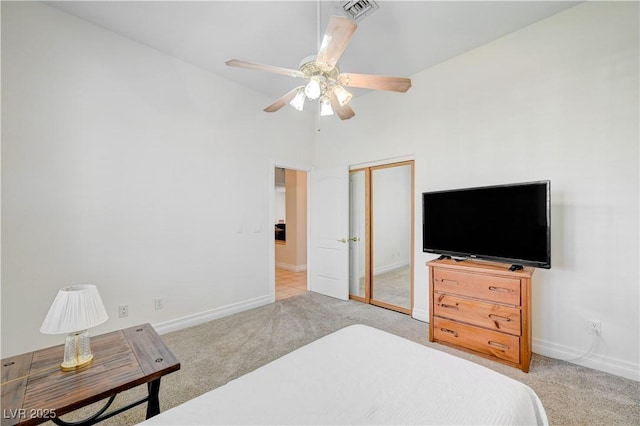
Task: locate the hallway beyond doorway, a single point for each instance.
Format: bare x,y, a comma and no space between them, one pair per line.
289,283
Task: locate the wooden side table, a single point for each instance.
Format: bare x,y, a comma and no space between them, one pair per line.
36,390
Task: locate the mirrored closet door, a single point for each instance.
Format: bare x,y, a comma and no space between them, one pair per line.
381,226
358,233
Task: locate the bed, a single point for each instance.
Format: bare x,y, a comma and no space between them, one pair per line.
362,375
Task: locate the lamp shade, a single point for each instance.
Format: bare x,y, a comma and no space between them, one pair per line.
342,95
325,106
298,101
313,89
75,308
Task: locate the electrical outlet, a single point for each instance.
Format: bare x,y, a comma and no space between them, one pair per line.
595,327
159,303
123,311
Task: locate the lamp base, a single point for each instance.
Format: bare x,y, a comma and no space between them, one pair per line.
71,367
77,351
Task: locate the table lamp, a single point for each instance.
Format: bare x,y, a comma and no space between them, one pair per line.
75,309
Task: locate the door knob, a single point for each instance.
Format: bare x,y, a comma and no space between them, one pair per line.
344,240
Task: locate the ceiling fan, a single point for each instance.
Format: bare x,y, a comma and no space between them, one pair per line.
324,79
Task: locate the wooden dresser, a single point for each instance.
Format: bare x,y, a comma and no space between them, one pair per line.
483,308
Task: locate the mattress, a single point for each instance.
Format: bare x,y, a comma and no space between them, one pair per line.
362,375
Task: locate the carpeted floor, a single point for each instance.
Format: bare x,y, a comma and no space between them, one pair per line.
214,353
394,287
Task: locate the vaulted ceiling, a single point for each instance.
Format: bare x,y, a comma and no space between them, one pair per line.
398,38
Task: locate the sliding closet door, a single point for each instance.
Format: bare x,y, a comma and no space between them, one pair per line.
392,236
381,227
358,235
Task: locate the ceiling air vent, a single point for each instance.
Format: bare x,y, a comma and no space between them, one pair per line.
358,9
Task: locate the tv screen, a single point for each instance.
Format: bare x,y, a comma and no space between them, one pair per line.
505,223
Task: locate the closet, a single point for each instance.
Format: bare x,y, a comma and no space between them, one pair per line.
381,206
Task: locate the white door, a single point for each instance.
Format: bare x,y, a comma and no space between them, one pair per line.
328,232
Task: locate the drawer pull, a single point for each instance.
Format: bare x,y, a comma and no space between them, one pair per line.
445,306
448,331
499,318
499,289
498,345
450,282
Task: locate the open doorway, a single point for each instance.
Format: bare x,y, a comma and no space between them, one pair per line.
290,232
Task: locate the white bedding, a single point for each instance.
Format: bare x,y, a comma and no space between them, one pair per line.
361,375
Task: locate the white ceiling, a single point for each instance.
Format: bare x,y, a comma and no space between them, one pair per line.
399,39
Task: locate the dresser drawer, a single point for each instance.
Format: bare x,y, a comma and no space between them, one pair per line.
488,287
500,345
495,317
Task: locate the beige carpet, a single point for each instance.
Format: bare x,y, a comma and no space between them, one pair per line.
219,351
394,287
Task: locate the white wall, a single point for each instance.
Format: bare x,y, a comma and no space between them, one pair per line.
131,170
114,159
557,100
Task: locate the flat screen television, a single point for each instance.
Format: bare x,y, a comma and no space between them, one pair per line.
506,223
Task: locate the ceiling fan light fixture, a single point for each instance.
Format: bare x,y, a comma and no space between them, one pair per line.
321,72
325,106
298,101
342,95
313,89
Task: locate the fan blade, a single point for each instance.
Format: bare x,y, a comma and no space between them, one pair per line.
282,101
336,37
377,82
343,111
260,67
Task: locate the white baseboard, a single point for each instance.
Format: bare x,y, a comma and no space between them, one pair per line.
293,268
210,315
598,362
420,314
595,361
391,267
